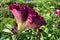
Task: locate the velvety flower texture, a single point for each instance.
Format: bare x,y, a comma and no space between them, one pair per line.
57,13
27,16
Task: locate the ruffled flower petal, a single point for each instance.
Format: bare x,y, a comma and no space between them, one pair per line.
27,16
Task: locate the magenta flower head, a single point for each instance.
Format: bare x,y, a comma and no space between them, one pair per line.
26,16
57,13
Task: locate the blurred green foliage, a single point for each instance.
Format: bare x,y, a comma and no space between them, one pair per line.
45,8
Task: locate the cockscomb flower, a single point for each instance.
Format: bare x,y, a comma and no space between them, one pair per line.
26,16
57,13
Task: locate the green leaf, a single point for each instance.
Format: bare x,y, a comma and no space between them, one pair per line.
7,30
4,37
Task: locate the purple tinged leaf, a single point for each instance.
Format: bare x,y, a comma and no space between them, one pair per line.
13,31
39,32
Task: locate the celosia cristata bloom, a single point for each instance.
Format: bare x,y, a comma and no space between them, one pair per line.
27,17
57,13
